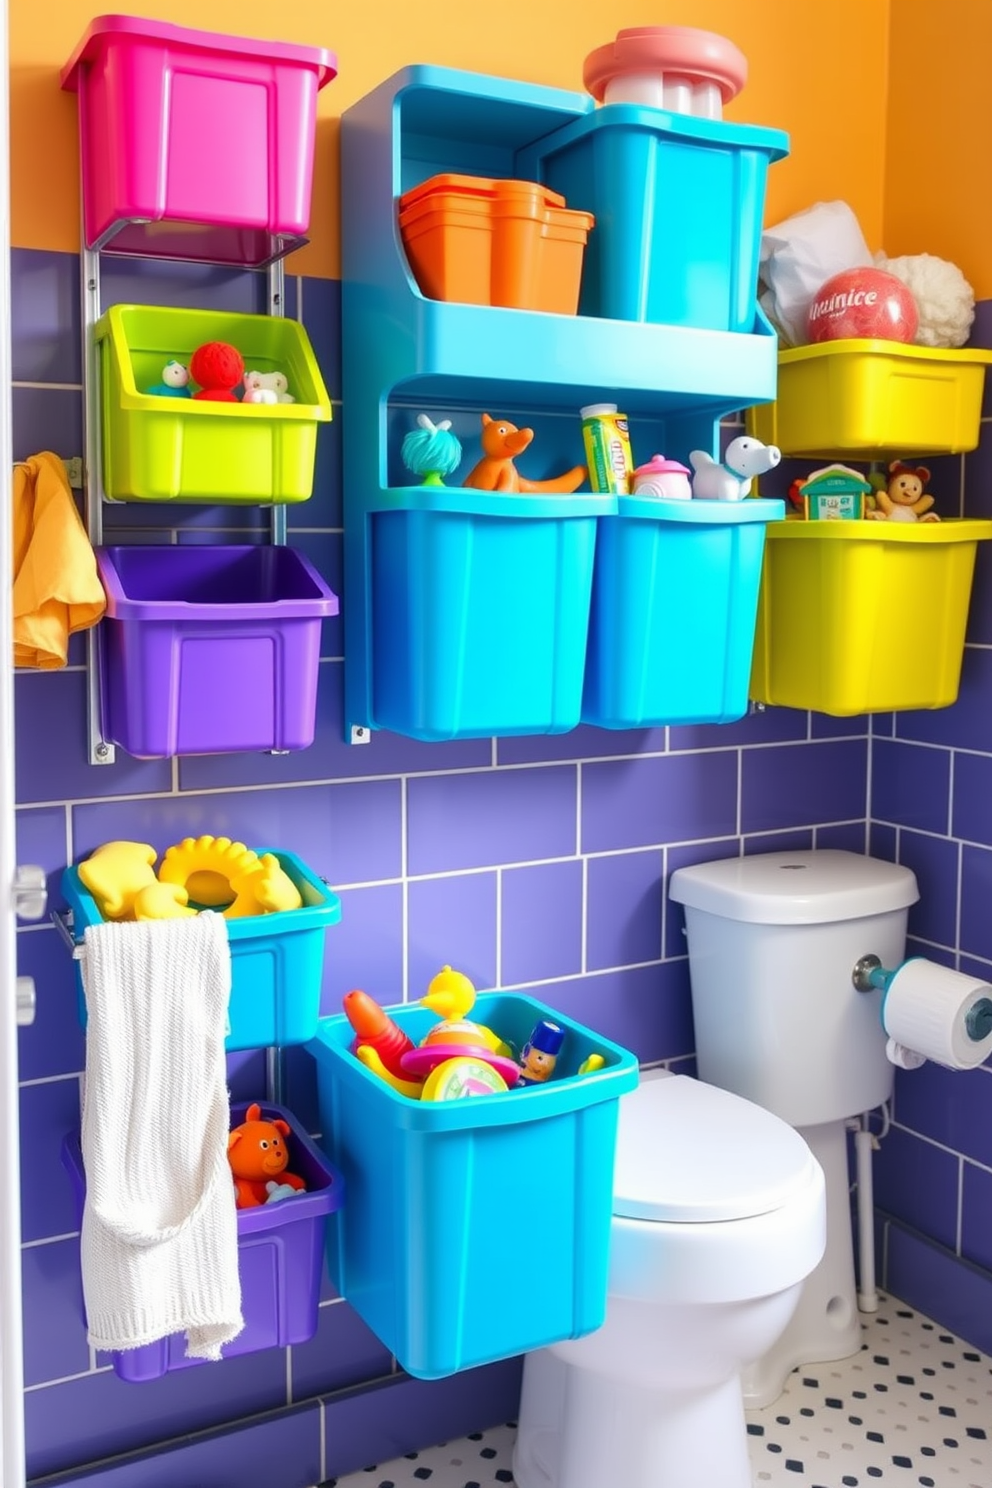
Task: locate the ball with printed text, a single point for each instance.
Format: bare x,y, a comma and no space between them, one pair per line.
864,304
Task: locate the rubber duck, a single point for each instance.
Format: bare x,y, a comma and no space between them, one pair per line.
451,995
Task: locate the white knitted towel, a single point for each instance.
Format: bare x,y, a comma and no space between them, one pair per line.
159,1244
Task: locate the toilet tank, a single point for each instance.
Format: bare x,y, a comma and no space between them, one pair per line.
773,940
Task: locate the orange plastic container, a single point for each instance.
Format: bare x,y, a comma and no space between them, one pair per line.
490,242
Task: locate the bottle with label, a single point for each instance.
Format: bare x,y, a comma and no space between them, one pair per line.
606,437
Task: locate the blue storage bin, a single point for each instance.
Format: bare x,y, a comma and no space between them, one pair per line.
474,1229
675,600
480,608
678,203
277,960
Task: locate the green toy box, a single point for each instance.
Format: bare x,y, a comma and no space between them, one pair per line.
158,448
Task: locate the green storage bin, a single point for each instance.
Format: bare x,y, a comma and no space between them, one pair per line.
183,449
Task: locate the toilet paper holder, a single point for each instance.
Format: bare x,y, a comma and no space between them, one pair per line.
870,975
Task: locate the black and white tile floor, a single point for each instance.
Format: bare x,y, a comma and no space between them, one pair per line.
914,1407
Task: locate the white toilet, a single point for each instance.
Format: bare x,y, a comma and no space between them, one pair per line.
773,943
718,1215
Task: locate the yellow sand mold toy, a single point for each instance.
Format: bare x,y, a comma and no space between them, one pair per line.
197,873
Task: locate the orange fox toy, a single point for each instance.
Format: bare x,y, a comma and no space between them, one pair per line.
496,471
258,1156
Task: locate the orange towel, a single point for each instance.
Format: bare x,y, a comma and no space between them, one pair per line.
56,587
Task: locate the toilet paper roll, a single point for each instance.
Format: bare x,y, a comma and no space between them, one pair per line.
939,1013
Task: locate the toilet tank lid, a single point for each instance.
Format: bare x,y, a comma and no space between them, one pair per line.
795,888
690,1153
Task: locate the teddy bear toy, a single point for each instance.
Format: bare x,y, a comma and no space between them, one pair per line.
904,497
218,368
259,1157
267,387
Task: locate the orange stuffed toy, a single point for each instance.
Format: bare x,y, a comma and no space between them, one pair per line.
258,1156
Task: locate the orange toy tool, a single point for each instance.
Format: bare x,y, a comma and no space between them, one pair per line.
376,1028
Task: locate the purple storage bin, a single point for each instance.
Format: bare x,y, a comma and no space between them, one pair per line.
210,650
280,1257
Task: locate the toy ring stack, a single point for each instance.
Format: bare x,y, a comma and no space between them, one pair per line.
421,1062
217,872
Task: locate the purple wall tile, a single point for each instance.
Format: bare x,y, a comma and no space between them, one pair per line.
185,286
910,785
952,1107
976,1215
297,821
41,840
646,1009
934,860
50,745
789,786
798,841
677,798
976,889
686,857
54,1044
451,921
493,816
322,323
281,1451
625,898
44,321
341,1353
582,743
765,726
47,1112
940,1285
329,757
847,837
55,1344
966,724
47,419
99,1415
822,726
541,922
367,949
971,812
918,1183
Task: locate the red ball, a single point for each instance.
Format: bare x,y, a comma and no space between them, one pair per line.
216,366
864,304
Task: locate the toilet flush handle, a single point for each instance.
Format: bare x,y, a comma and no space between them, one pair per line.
870,975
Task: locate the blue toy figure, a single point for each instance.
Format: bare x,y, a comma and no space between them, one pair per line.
174,384
431,450
540,1053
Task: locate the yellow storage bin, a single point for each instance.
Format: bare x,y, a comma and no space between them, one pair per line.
861,399
863,617
183,449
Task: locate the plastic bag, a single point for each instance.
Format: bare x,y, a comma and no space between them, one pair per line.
802,253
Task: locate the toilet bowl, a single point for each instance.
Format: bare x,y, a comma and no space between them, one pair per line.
719,1213
773,939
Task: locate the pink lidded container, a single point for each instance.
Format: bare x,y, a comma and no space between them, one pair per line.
195,145
679,68
661,477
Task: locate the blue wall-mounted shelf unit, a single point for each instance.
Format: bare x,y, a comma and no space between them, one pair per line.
466,613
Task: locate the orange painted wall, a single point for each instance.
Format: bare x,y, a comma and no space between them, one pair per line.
939,126
838,149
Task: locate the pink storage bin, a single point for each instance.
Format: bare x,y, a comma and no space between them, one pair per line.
195,145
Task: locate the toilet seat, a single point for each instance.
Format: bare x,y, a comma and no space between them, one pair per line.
715,1199
690,1153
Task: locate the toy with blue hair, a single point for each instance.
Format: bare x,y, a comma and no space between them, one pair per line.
431,451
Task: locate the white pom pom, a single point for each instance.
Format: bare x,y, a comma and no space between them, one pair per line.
944,298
